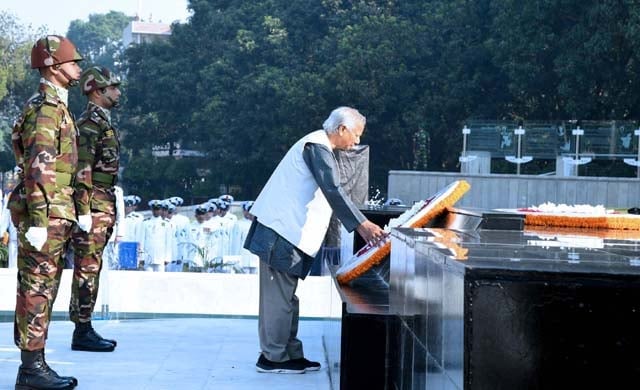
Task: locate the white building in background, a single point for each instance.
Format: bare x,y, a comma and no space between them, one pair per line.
138,32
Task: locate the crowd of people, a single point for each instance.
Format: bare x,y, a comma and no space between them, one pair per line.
209,241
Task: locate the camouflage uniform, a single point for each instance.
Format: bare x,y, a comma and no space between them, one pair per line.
44,144
99,157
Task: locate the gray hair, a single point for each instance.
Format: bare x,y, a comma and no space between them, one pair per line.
347,116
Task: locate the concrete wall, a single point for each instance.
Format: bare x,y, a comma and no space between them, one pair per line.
513,191
480,163
181,293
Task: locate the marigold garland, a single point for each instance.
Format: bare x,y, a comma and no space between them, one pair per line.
615,221
435,207
375,258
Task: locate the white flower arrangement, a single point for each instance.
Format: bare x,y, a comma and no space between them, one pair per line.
552,208
404,217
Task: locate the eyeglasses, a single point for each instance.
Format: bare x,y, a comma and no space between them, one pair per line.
352,132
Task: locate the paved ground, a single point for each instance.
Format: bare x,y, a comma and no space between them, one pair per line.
183,354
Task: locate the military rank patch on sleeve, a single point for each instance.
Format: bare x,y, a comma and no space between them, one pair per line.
109,133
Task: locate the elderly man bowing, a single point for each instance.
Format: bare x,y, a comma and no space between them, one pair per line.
292,216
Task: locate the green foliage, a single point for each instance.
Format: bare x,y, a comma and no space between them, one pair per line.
421,148
243,80
99,39
15,46
160,177
17,80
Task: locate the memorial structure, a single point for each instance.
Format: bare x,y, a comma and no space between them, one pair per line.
491,299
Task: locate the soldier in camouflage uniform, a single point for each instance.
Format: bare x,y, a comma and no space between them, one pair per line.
98,163
44,143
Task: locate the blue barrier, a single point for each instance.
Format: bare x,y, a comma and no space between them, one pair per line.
128,255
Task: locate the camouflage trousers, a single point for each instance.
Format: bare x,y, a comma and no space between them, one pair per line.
87,264
39,275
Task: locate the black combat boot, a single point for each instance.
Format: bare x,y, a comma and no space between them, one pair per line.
35,374
96,334
115,343
85,338
67,378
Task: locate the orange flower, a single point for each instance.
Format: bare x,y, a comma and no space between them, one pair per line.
616,221
374,255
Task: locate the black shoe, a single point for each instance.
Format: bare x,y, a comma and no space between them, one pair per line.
115,343
308,364
35,374
67,378
97,335
286,367
85,338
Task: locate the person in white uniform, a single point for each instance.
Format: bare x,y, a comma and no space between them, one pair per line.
132,220
158,238
248,261
178,220
227,221
133,233
109,254
7,226
191,239
215,235
225,211
224,204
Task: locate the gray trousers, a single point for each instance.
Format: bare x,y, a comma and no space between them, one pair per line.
278,315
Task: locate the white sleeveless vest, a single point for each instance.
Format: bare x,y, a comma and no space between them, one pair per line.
291,203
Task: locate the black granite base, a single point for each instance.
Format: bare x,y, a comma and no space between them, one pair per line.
519,311
547,330
493,309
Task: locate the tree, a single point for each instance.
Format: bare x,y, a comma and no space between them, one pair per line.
241,81
17,80
99,39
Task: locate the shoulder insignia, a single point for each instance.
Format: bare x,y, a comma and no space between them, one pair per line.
36,100
80,122
35,103
98,118
95,117
51,100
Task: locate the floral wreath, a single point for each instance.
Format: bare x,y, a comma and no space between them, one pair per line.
418,216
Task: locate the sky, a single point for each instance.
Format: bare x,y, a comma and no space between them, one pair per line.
58,14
